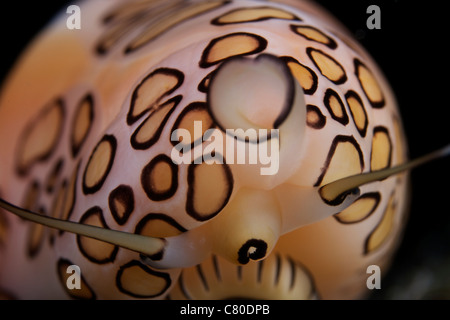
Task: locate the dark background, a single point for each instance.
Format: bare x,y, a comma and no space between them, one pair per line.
412,50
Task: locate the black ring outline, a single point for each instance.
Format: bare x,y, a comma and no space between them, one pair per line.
133,263
60,105
344,120
91,212
331,42
322,119
190,193
342,79
262,45
113,144
148,143
145,181
354,95
166,71
121,192
216,22
375,104
73,147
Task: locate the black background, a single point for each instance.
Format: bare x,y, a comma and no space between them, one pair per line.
412,50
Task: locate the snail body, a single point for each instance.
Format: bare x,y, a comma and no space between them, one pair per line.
136,122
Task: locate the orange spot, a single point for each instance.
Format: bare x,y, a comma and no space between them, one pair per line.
314,34
40,137
359,210
160,178
382,231
84,115
231,45
94,250
139,281
328,66
381,149
369,84
242,15
210,187
99,164
151,90
357,111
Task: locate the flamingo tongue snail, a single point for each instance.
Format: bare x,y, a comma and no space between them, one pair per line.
199,150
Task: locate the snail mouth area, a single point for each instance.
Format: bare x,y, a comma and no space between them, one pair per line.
253,249
251,93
